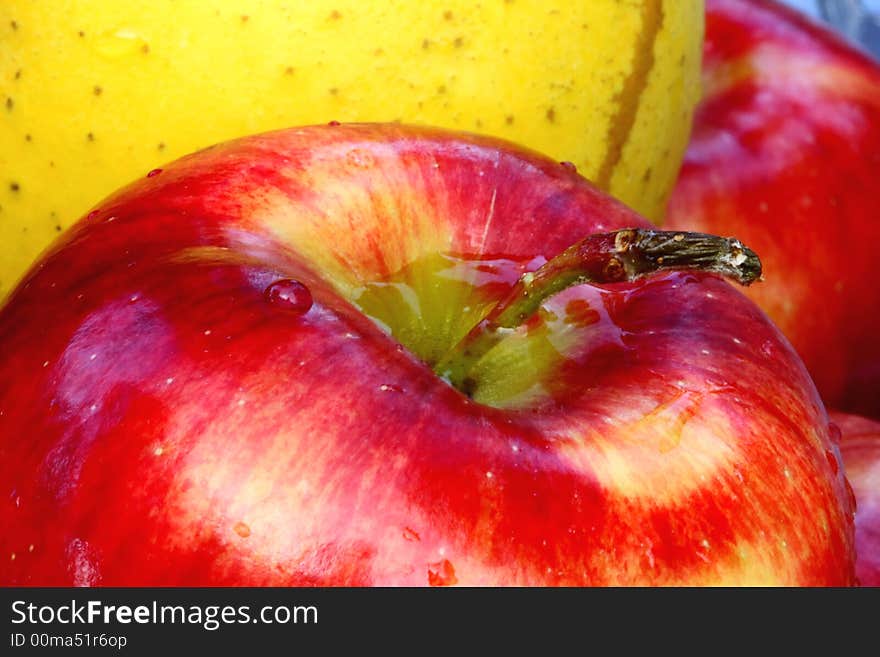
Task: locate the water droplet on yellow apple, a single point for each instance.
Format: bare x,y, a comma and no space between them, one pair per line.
118,43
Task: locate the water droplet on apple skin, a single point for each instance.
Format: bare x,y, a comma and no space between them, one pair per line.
290,296
832,461
834,433
411,534
851,495
154,173
442,573
82,563
359,158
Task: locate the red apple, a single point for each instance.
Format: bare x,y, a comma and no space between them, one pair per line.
232,373
785,154
860,447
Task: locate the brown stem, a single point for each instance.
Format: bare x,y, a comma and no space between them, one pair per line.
624,255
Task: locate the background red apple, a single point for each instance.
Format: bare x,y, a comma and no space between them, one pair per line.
223,375
860,446
785,155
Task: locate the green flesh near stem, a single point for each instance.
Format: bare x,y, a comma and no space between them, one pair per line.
496,329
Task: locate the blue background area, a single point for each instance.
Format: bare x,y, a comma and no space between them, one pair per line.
857,20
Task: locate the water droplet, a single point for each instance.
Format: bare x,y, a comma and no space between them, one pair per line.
570,166
242,529
832,461
834,433
359,158
441,573
411,534
334,123
851,495
154,173
579,313
119,43
289,295
82,563
386,387
93,214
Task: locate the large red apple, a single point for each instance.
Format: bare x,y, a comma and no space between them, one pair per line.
785,154
230,373
860,447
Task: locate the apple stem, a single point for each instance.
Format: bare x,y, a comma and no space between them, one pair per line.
624,255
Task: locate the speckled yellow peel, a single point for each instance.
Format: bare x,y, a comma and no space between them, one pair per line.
94,93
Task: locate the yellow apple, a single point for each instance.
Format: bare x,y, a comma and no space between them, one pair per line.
98,92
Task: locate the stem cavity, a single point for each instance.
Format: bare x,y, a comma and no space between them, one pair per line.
623,255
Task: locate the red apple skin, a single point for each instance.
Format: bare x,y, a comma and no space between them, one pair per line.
785,154
860,448
162,423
